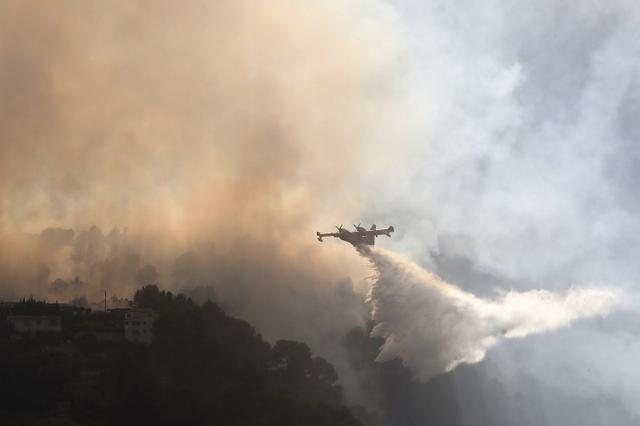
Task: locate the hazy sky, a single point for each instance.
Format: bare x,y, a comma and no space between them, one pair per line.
523,170
500,138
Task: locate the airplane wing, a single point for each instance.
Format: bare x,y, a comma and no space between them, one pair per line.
376,232
327,234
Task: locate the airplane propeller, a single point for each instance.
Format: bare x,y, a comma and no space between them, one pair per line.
358,226
339,228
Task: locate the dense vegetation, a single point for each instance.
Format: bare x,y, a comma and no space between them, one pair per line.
396,397
204,367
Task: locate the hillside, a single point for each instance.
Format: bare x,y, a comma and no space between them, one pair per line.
203,367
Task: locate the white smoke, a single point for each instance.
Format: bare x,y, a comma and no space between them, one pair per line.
433,326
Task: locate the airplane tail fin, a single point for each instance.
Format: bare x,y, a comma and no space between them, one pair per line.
373,227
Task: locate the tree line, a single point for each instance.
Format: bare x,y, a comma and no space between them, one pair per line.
202,368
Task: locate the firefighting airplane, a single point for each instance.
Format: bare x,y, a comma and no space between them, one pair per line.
359,236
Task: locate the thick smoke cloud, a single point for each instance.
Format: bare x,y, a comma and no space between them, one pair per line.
522,174
233,123
207,141
197,145
434,326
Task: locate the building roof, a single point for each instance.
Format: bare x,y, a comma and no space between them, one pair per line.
32,317
143,310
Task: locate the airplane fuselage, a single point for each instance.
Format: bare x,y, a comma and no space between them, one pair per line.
356,237
359,236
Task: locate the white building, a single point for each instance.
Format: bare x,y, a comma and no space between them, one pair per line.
35,323
138,325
